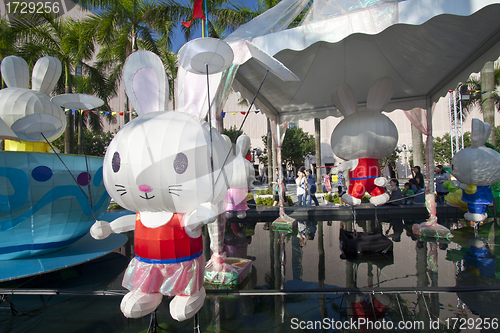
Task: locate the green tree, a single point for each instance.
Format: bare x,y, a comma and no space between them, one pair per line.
8,39
125,26
233,133
442,148
95,143
73,43
297,144
223,16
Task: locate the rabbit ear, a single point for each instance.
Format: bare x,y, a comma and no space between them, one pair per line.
242,145
146,82
344,99
229,144
480,133
15,72
46,72
380,94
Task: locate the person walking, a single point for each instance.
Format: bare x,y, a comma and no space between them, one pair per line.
300,181
341,186
311,184
277,185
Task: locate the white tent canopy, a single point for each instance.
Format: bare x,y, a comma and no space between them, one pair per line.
426,47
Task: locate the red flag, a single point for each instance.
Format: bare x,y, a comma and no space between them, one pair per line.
197,13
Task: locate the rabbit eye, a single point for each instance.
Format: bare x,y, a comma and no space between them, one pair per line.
115,162
180,163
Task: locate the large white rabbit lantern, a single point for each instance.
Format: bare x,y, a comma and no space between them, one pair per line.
30,112
476,168
168,167
362,138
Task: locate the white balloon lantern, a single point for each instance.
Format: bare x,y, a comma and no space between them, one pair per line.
168,167
29,112
362,138
476,169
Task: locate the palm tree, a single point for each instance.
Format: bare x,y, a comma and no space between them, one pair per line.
473,87
8,37
121,28
79,41
223,16
70,41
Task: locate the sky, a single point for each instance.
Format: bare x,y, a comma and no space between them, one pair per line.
179,39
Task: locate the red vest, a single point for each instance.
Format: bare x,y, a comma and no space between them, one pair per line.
368,168
168,244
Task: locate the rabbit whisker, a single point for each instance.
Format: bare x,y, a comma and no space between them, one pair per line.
119,185
121,190
123,193
173,193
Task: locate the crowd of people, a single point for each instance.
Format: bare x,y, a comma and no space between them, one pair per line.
412,191
306,188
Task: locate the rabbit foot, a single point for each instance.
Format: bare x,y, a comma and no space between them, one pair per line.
229,214
474,217
379,199
350,200
241,214
185,307
137,304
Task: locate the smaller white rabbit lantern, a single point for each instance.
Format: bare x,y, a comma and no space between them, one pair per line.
168,167
476,169
30,112
362,138
243,177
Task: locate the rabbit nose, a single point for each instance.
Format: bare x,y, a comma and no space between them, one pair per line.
145,188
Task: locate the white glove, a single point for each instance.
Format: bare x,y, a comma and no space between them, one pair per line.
100,230
380,181
348,165
459,184
204,214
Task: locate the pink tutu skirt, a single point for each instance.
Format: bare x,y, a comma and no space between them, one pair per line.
236,199
183,279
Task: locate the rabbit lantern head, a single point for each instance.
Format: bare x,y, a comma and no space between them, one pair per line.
168,167
364,134
29,112
161,162
362,138
477,165
476,168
